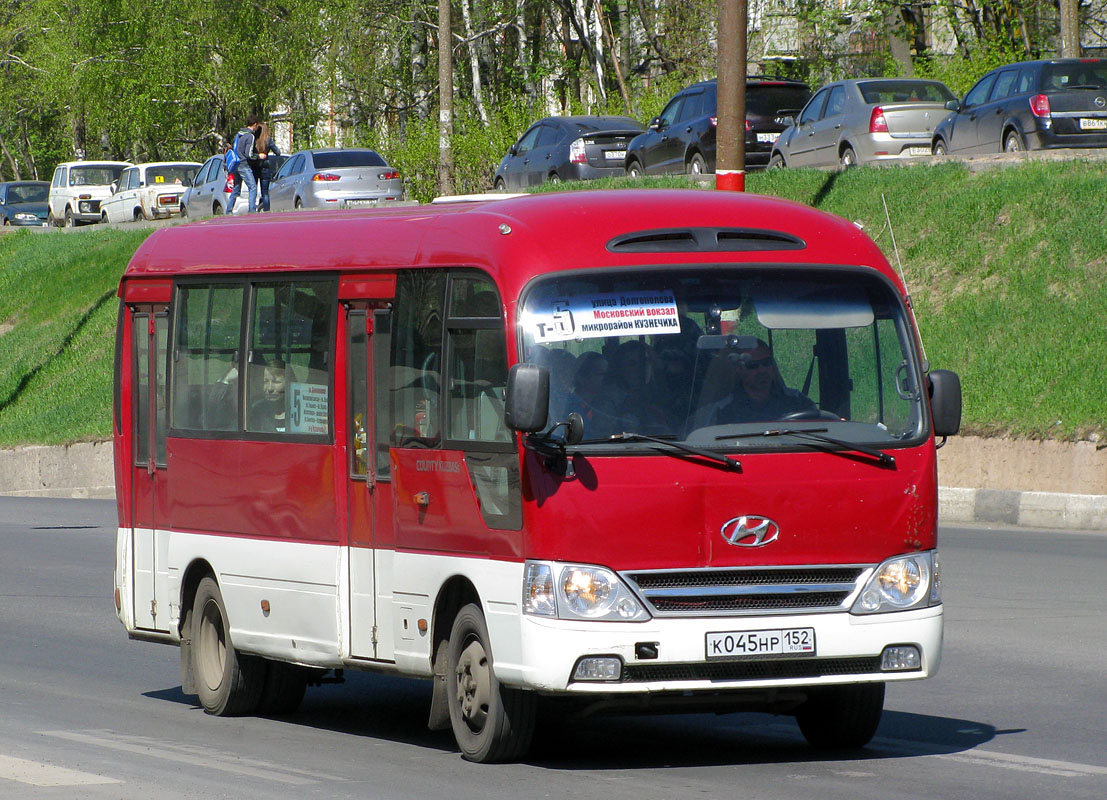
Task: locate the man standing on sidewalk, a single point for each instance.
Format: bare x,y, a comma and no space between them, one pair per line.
244,149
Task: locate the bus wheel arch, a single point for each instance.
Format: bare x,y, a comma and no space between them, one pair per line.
455,594
194,573
491,722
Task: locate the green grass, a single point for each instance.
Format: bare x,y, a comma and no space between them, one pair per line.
57,320
1006,268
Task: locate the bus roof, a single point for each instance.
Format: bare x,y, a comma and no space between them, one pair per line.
516,238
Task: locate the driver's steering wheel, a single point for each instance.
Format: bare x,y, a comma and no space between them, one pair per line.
811,413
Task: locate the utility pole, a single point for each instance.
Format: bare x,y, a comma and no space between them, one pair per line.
730,132
445,100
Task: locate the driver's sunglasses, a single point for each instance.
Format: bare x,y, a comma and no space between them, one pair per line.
761,362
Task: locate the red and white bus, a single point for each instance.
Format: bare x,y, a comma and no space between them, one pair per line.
643,449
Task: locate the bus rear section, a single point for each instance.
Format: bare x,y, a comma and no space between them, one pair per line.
683,460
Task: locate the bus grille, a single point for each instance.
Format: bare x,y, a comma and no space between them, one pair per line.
783,590
751,670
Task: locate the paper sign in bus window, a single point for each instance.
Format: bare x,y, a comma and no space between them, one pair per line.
608,314
308,408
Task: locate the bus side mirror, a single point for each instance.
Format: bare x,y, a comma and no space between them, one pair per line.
945,401
527,404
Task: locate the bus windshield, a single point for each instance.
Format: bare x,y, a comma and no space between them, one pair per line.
707,355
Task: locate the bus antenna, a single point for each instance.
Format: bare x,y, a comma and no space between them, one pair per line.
903,277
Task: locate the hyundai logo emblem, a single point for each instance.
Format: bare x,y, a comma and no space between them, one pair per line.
750,531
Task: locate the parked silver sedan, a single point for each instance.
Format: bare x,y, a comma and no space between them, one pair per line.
858,121
334,178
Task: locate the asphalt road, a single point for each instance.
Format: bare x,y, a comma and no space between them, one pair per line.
1015,712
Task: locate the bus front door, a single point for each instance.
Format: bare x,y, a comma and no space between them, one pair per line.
150,324
370,507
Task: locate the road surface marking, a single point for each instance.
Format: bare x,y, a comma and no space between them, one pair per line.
182,754
1044,766
38,774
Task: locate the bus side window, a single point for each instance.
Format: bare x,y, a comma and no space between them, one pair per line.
414,378
288,374
206,357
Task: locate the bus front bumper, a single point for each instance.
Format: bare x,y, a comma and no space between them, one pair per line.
686,655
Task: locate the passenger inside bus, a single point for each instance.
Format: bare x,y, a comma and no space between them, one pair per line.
758,391
268,414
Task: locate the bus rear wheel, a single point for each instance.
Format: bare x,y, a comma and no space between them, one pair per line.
490,722
227,682
284,689
841,717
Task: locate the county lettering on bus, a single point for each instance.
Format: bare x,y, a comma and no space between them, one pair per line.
685,458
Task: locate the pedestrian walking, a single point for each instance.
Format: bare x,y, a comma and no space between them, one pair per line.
244,146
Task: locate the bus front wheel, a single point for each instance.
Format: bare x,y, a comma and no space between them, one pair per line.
490,722
841,717
227,683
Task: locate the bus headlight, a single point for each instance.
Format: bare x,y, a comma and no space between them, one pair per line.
580,592
899,584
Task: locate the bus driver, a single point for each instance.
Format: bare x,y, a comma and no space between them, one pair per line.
759,391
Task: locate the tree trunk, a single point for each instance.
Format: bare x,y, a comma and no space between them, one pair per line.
1070,28
474,62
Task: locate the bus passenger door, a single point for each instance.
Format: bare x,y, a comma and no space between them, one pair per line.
150,325
370,505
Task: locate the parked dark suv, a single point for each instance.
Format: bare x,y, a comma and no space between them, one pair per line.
1032,105
682,138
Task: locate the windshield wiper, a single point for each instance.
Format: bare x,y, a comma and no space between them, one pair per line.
818,435
696,451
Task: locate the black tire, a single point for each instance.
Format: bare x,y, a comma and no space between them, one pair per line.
284,689
848,158
490,722
216,209
138,216
776,162
184,211
841,717
227,683
298,204
697,166
634,169
939,148
103,217
69,221
1012,142
499,185
553,177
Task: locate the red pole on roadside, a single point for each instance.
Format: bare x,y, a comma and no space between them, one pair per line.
730,133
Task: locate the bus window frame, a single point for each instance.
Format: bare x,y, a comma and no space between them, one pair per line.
248,283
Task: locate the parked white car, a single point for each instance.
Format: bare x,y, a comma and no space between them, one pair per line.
149,191
78,188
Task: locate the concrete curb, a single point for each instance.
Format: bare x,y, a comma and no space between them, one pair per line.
86,471
1026,509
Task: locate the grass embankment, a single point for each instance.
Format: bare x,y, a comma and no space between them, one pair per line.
1006,269
57,321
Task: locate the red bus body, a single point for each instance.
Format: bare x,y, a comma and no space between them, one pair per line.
355,535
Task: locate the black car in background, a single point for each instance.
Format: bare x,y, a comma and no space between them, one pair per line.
567,149
1031,105
682,137
23,203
